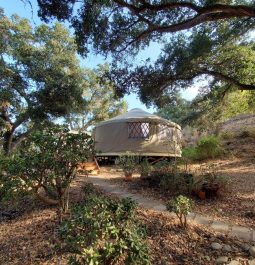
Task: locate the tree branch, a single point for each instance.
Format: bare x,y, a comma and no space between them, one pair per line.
203,14
229,79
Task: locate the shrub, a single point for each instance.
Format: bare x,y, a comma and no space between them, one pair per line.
189,153
128,162
105,231
145,168
207,147
181,206
210,181
169,177
47,162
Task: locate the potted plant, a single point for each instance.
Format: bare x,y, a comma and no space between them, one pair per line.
213,182
145,168
128,163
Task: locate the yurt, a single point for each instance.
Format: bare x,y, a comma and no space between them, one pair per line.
139,132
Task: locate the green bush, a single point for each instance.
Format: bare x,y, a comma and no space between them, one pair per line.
207,147
105,231
169,177
145,168
181,206
128,162
190,153
46,165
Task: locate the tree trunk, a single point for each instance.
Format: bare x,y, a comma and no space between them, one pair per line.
7,143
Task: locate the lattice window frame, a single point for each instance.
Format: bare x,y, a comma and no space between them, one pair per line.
139,130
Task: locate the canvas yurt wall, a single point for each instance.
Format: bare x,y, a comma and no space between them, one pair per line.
139,132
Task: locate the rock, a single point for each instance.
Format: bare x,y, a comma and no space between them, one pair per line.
245,247
251,262
227,248
216,246
207,258
235,249
252,251
234,262
222,260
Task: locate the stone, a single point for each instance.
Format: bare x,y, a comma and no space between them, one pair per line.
202,220
235,249
241,232
234,262
216,246
222,260
220,226
227,248
207,258
245,247
251,262
252,251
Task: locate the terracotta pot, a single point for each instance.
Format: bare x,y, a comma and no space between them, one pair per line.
210,190
128,176
201,195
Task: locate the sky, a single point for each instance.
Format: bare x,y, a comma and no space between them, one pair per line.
22,9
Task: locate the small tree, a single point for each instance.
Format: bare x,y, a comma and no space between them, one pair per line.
181,206
128,162
47,164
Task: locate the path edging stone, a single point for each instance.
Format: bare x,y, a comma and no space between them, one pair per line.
233,230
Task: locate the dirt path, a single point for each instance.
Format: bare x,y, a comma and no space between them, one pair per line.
152,204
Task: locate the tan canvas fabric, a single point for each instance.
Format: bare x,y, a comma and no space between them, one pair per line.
112,136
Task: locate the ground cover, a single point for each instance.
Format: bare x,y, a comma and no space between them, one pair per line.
234,205
29,235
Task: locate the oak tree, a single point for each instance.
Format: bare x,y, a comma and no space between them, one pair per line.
203,39
40,77
101,103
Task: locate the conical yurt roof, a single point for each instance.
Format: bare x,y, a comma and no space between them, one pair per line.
135,115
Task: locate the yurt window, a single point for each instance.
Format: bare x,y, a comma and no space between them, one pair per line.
138,130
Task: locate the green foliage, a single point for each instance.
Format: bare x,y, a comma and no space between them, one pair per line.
101,103
11,187
181,206
168,177
89,189
128,25
145,168
211,181
215,49
212,110
190,153
104,231
40,77
128,162
207,147
48,161
177,110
